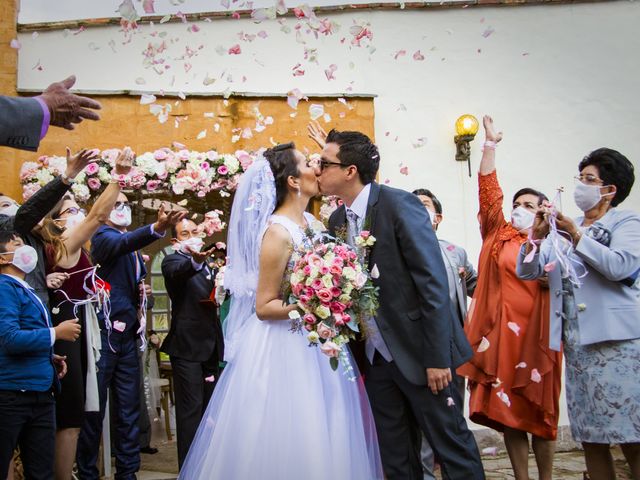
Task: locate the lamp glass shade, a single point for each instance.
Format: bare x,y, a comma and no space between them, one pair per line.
467,125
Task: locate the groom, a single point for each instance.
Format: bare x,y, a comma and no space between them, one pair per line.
413,347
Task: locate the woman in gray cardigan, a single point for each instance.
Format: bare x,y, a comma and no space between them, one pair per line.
597,318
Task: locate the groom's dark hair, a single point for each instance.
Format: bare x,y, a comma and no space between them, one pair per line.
283,163
357,149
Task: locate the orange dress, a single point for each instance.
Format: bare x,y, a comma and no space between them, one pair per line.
514,377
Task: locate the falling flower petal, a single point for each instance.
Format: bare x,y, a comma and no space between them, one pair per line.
146,99
488,32
418,56
497,383
420,142
329,72
15,44
165,19
450,402
399,53
521,365
493,451
514,327
535,375
140,81
582,307
202,134
404,170
235,50
549,267
375,273
148,7
484,345
210,379
504,397
128,11
208,80
316,111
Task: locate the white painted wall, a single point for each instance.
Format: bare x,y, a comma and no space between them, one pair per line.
559,80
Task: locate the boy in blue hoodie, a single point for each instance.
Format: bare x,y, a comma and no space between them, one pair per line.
29,370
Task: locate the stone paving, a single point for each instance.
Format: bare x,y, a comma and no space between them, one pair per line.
567,465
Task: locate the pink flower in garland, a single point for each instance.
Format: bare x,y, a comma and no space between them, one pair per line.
153,185
94,183
91,169
223,170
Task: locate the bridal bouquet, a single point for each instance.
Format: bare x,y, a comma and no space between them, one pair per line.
333,289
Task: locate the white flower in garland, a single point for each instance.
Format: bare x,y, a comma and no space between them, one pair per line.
43,177
103,175
81,192
232,163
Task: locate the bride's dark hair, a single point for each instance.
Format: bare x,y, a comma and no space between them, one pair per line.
284,164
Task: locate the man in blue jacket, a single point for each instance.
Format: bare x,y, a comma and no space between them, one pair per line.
27,364
121,265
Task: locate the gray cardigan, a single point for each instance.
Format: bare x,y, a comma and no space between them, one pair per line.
608,304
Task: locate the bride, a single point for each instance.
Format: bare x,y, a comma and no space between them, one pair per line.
279,412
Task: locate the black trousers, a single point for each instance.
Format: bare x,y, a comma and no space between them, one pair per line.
192,394
28,420
398,406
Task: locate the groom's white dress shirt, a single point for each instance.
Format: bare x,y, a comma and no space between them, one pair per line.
356,214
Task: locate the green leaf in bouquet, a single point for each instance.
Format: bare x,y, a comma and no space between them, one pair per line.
333,361
353,325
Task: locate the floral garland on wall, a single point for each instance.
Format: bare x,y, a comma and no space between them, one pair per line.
180,171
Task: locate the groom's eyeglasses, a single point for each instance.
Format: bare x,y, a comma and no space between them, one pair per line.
325,164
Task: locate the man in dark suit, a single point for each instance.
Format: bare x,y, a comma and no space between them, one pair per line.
413,345
25,121
122,266
462,279
194,342
27,378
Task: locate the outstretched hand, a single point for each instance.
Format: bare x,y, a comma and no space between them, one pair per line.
317,133
489,130
77,162
67,108
200,257
168,219
124,162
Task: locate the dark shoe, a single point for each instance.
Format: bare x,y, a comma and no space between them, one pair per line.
149,450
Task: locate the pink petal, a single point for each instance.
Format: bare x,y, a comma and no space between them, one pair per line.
399,53
147,6
535,375
550,267
484,345
15,44
235,50
514,327
418,56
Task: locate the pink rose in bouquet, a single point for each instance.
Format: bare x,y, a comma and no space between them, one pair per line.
334,294
94,183
91,169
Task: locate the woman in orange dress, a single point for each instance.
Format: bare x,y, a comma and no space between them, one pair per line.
514,377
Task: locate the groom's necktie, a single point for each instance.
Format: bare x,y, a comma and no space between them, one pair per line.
352,227
374,340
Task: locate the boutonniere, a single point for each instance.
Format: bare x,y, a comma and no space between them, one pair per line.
365,239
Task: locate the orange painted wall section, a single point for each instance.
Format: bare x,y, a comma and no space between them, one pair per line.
126,122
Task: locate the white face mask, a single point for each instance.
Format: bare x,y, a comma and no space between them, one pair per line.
25,258
73,220
521,218
587,196
10,211
121,217
193,244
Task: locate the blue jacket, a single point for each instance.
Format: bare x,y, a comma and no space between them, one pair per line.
122,266
608,305
25,339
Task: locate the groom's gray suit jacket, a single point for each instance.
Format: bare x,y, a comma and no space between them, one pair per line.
415,315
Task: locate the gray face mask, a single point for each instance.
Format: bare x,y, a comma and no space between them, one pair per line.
10,211
588,196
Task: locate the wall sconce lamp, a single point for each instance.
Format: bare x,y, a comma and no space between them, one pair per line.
466,129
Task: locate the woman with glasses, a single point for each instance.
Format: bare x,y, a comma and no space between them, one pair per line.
514,378
593,264
66,229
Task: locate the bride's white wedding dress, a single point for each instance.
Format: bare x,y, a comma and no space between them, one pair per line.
279,412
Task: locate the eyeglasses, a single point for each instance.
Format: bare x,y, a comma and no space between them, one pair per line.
120,205
73,211
325,164
589,179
